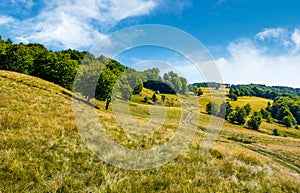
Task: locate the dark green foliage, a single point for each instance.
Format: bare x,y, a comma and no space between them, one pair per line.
214,85
160,86
170,84
225,110
266,115
255,121
36,60
145,99
211,108
241,115
286,110
231,117
288,121
248,108
138,89
238,116
276,132
269,92
198,91
232,95
195,90
154,98
163,98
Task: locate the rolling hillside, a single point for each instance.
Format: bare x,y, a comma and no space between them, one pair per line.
41,150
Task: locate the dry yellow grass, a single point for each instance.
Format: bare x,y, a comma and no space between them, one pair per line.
41,150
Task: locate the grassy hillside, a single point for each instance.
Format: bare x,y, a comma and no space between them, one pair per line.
41,150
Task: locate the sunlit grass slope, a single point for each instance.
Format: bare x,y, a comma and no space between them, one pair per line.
41,150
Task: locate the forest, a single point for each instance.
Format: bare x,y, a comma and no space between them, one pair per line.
61,67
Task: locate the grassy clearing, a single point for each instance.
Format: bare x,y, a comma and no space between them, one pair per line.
256,102
41,150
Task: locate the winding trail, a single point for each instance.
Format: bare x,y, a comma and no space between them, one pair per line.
279,158
262,150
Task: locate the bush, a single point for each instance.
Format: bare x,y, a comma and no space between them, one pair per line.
255,121
225,110
145,100
241,115
276,132
233,97
288,121
154,98
211,108
248,108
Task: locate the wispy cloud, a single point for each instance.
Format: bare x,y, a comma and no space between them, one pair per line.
271,33
248,62
173,6
6,20
296,38
27,3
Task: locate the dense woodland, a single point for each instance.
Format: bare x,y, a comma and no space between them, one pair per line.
268,92
61,68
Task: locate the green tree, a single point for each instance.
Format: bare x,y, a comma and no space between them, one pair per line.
211,108
184,87
255,121
232,95
225,110
232,117
195,89
199,92
154,98
241,116
288,121
266,115
163,98
276,132
248,108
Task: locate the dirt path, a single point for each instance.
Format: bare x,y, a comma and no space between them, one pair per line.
188,117
283,160
279,158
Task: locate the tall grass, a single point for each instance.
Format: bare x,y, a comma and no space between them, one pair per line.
41,150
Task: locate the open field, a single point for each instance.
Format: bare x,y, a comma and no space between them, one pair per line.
41,150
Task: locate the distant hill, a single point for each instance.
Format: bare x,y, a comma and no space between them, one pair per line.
259,90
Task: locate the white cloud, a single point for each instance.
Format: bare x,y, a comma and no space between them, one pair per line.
78,23
249,63
271,33
6,19
296,38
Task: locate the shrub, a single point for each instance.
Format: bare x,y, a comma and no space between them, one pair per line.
255,121
288,121
276,132
211,108
248,108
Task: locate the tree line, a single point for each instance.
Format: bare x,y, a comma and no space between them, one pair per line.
284,110
259,90
235,116
61,67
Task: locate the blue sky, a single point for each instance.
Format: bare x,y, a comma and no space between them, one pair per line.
251,41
